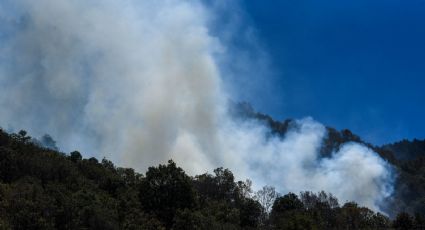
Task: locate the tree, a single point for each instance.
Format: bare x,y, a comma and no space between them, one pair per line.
403,221
220,187
23,136
380,221
288,213
321,208
250,212
266,197
75,156
29,207
244,188
288,202
225,184
164,190
44,189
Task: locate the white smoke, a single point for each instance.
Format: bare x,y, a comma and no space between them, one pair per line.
138,82
294,163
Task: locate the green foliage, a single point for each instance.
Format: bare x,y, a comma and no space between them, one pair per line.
250,213
164,190
288,213
322,211
75,156
41,188
288,202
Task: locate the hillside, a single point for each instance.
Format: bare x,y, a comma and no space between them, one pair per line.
42,188
407,157
407,150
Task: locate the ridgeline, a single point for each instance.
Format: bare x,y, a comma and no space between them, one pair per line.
42,188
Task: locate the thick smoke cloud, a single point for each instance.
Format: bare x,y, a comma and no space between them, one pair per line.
354,173
139,82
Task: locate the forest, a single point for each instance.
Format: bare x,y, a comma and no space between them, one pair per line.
42,188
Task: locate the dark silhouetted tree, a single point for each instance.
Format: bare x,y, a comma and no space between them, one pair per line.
75,156
164,190
403,221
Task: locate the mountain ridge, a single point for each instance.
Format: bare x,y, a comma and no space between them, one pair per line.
101,195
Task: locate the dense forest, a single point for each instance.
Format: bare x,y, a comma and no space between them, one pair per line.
41,188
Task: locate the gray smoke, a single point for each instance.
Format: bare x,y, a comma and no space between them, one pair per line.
139,82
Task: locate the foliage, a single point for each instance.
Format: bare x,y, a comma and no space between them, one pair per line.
407,157
41,188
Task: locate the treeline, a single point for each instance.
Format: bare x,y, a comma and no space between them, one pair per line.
407,157
41,188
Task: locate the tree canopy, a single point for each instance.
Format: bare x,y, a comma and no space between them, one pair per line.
41,188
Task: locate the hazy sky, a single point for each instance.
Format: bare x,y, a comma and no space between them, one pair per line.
349,64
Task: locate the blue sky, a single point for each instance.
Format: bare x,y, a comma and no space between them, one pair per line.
356,64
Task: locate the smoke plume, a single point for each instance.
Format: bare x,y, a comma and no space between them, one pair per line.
139,82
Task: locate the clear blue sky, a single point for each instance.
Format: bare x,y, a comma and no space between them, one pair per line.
356,64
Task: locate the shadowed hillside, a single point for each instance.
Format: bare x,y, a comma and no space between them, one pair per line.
45,189
408,157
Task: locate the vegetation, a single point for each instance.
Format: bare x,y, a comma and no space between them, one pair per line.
41,188
407,157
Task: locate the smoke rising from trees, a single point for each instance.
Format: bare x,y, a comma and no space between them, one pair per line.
139,83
